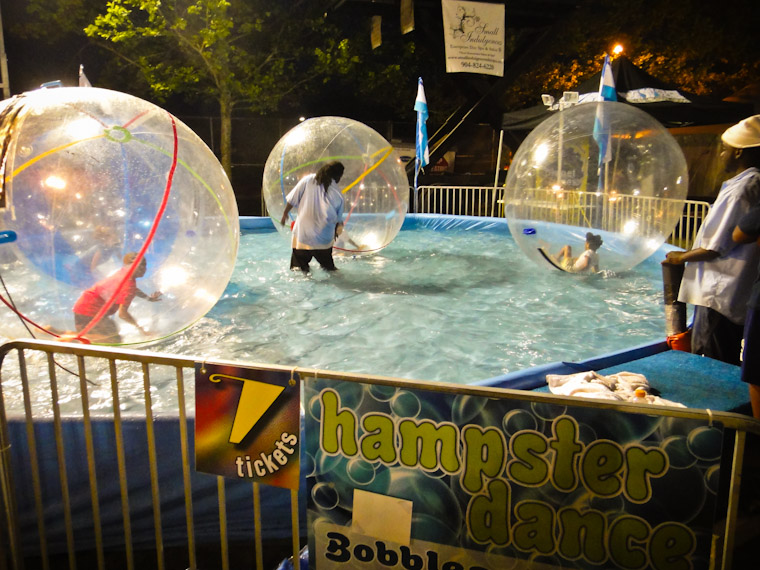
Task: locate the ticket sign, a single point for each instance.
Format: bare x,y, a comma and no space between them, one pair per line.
247,424
414,478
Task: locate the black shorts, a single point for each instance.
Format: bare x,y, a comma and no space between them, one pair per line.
301,257
105,330
716,336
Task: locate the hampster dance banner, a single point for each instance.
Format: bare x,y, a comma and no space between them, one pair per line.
474,37
247,424
400,476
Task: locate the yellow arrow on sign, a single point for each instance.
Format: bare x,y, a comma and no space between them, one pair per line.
255,400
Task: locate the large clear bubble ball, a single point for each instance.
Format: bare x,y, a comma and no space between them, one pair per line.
603,168
91,175
374,183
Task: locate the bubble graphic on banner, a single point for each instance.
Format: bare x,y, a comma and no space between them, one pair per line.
324,496
361,472
706,443
518,420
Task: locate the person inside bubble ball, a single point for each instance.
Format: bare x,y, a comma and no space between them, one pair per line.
92,300
320,217
106,246
85,268
586,262
719,272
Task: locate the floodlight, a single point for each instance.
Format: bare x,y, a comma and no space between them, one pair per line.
570,97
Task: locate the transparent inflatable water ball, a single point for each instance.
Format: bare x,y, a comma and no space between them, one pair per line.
90,175
374,183
606,169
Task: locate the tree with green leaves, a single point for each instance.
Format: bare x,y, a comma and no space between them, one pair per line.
248,54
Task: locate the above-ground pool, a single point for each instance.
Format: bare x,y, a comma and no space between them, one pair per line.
451,299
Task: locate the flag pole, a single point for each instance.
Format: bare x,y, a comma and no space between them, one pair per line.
416,173
83,81
496,174
422,152
601,133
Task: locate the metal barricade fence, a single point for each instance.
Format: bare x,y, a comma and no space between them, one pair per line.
574,209
65,449
64,486
686,231
460,200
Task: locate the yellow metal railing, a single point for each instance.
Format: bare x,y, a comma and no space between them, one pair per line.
66,371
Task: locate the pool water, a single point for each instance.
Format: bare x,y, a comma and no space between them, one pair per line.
458,305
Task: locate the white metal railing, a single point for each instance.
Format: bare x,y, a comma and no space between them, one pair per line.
460,200
585,209
694,213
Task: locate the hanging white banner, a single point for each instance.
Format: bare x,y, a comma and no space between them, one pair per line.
474,37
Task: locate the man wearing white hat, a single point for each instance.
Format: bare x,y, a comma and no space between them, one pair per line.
719,271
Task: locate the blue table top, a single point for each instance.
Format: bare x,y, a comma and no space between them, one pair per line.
694,381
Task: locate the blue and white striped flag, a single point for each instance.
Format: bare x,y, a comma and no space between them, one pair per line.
420,105
607,92
607,89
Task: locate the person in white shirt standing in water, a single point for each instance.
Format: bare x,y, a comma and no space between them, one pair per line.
320,217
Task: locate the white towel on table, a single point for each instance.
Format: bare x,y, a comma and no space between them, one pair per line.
620,386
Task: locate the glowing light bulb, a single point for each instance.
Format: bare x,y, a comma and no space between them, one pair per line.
542,151
55,182
172,276
630,227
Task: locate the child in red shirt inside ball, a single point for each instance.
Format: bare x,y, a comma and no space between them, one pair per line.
88,305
